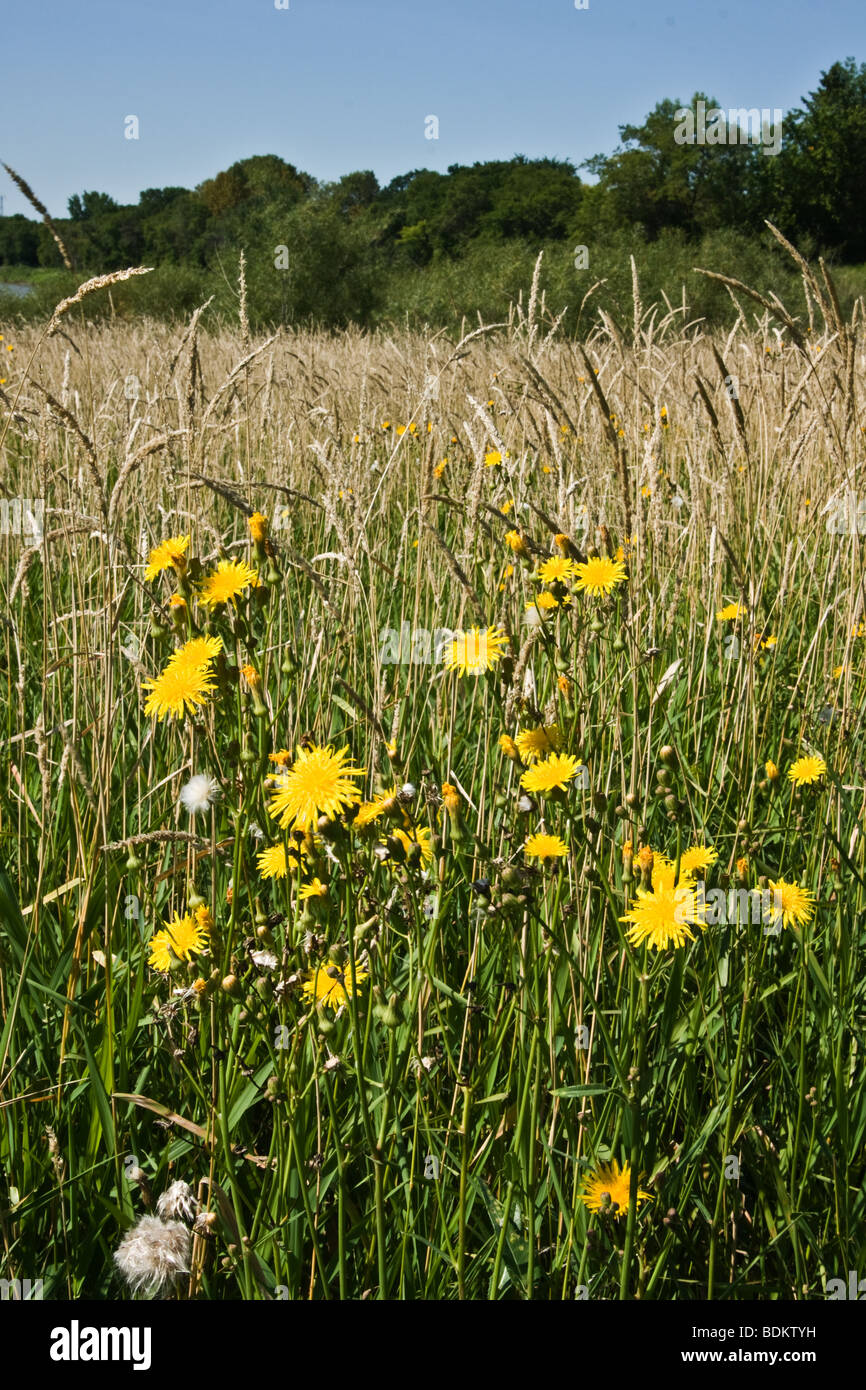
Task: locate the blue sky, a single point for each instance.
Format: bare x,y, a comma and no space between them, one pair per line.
337,85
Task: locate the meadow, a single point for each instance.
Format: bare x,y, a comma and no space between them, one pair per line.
430,847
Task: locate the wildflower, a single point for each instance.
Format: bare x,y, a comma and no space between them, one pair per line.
273,862
509,747
198,794
550,773
439,469
731,613
177,601
282,757
806,770
474,652
318,784
792,905
188,935
420,836
314,889
177,690
515,542
537,743
545,847
161,956
197,652
450,799
168,553
772,771
659,916
229,579
599,575
332,986
258,524
370,811
544,601
492,459
154,1255
566,545
556,570
607,1188
565,686
697,858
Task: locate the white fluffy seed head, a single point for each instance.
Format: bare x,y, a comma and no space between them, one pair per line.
199,794
178,1202
154,1255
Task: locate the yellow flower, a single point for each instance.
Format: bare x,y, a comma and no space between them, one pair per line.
731,613
177,601
598,575
509,747
421,836
229,579
792,905
370,811
258,524
697,858
319,783
515,542
556,570
177,690
314,889
198,652
333,986
550,773
168,553
493,458
537,743
273,862
161,955
440,468
545,847
450,798
474,652
188,934
661,917
607,1188
772,771
545,601
806,770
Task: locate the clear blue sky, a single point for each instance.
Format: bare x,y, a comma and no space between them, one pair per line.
337,85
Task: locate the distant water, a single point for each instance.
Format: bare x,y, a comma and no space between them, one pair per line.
16,289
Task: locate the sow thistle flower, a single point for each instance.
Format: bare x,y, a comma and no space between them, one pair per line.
730,613
178,690
199,651
556,570
182,938
475,652
697,858
332,986
791,905
660,916
420,836
598,575
227,582
606,1188
551,774
545,847
171,552
516,542
274,862
319,783
537,743
807,770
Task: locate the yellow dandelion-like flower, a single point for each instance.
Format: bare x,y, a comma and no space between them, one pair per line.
168,553
493,458
607,1188
838,672
515,542
319,783
661,917
196,653
273,862
730,613
772,771
333,985
450,798
177,690
251,676
509,747
565,686
177,601
439,469
282,757
421,836
161,955
598,575
258,524
545,847
370,811
551,773
314,889
188,934
697,858
474,652
229,579
806,770
545,601
537,743
792,905
556,570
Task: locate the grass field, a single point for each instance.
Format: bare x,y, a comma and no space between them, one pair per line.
551,986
